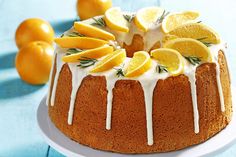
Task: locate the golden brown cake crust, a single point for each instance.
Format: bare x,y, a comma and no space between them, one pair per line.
172,111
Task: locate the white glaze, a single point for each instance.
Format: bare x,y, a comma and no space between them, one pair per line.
50,79
110,83
190,73
77,77
148,80
59,64
214,51
148,88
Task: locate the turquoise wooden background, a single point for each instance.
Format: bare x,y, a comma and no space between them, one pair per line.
19,135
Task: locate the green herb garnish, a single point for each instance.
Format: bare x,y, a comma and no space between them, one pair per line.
75,34
86,62
73,51
193,60
161,18
129,18
120,71
99,22
208,44
161,69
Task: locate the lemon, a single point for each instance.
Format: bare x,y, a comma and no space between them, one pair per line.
90,8
80,42
169,58
139,64
110,61
174,20
147,16
90,53
115,20
92,31
196,31
190,47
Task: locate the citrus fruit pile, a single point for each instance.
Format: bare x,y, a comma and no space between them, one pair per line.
34,38
185,41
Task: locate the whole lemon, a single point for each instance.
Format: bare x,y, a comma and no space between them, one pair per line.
90,8
34,61
34,29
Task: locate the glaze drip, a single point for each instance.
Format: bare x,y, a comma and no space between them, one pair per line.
59,64
192,80
148,89
110,85
77,77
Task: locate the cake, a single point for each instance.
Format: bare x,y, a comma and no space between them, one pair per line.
152,109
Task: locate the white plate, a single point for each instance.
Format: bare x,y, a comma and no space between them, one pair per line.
66,146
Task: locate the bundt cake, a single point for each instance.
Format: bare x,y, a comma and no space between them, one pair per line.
143,82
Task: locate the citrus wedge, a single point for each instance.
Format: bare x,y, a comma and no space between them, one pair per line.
139,64
196,31
174,20
190,48
91,31
91,53
110,61
115,20
147,16
79,42
171,59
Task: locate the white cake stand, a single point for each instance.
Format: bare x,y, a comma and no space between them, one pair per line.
66,146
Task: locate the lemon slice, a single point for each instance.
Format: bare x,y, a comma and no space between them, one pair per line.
168,37
147,16
171,59
174,20
79,42
91,53
190,48
139,64
92,31
110,61
115,20
196,31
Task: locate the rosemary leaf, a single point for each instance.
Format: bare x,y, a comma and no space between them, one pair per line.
161,18
75,34
99,22
161,69
199,22
208,44
193,60
86,62
120,71
129,18
73,51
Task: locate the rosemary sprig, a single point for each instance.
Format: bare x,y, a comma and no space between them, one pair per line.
75,34
161,69
120,71
161,18
129,18
99,22
193,60
208,44
72,34
73,51
199,22
86,62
